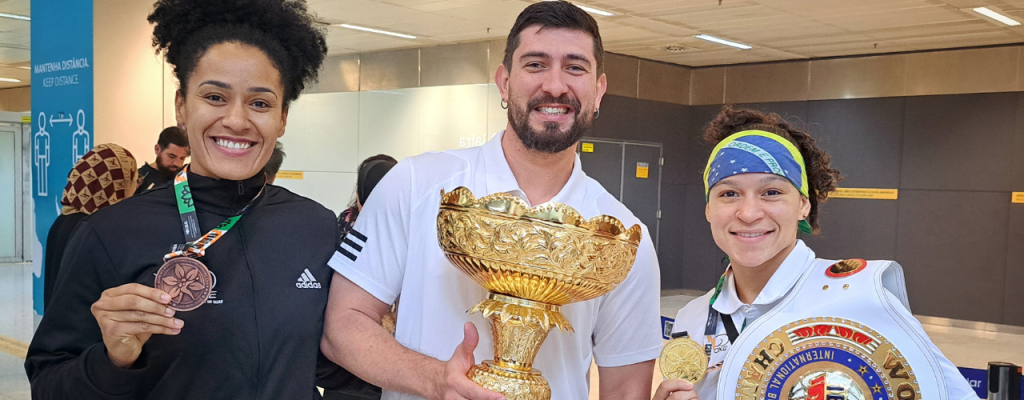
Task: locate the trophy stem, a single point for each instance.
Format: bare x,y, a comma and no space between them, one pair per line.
518,327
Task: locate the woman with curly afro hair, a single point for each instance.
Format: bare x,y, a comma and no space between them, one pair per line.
763,183
214,286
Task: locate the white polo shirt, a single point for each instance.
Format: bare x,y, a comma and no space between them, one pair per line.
693,317
392,250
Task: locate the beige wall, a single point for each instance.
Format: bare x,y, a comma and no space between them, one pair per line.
16,99
983,70
132,96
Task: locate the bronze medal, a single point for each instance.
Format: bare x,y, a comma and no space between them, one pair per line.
187,281
683,358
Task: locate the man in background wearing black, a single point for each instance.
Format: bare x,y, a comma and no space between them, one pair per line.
171,150
274,165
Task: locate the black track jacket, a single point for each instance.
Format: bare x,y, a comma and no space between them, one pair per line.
257,337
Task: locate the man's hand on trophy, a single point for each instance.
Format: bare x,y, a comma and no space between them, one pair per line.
675,389
456,386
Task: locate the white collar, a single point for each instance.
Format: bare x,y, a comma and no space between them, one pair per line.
501,179
778,285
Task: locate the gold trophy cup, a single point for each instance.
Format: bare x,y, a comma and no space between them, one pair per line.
532,261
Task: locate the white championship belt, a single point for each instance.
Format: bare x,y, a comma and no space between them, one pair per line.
844,332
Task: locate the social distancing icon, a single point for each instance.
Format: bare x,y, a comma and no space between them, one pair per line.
80,140
41,155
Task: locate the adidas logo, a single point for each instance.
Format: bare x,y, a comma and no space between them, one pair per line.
307,281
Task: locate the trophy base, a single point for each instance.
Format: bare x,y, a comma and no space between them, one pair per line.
515,385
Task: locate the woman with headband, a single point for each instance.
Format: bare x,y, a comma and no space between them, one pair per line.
213,287
763,183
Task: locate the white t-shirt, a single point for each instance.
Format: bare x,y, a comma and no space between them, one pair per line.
693,317
392,250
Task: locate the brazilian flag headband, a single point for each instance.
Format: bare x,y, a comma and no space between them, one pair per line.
757,151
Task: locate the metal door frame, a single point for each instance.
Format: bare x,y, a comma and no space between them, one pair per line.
22,177
622,172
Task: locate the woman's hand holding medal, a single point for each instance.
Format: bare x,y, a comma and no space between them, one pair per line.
128,315
675,389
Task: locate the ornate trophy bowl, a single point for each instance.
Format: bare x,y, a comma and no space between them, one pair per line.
532,261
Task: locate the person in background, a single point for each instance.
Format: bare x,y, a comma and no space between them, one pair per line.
274,165
371,171
102,177
171,150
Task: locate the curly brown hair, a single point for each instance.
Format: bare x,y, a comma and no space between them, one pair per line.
822,178
283,29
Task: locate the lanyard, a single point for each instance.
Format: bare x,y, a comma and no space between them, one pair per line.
196,245
711,327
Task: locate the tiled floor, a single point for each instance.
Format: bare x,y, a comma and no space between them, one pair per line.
965,347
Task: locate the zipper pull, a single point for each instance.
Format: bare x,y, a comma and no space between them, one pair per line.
241,189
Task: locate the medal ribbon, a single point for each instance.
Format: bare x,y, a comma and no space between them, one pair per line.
196,245
711,328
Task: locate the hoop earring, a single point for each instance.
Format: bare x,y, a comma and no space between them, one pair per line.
504,104
597,113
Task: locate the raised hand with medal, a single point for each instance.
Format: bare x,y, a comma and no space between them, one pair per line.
184,278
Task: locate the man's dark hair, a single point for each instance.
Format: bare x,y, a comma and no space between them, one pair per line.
283,29
276,159
555,14
172,135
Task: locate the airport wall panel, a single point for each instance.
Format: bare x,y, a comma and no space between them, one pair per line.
858,77
707,86
618,119
451,117
953,246
856,228
621,72
338,74
665,123
863,138
323,133
767,82
388,123
1013,299
1017,174
959,142
702,261
663,82
697,151
398,69
671,255
458,64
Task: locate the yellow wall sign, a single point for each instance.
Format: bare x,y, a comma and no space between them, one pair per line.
588,147
641,170
874,194
289,175
1018,197
25,119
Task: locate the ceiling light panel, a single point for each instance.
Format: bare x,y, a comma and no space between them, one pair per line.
723,41
996,16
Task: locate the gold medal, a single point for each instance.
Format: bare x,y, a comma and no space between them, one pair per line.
187,281
683,358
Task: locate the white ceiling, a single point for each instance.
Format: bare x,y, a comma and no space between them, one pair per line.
778,29
14,44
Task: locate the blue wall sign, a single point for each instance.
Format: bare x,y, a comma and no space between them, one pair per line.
62,110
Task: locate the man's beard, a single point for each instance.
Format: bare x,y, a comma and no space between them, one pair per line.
550,139
165,170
